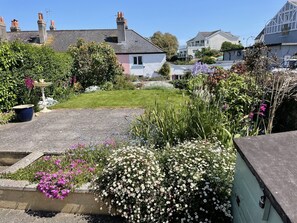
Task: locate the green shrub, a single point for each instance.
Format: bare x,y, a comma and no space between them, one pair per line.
8,90
208,60
107,86
29,61
122,82
180,84
6,117
94,63
198,82
239,93
165,70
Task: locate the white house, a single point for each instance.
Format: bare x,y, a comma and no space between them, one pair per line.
213,40
137,54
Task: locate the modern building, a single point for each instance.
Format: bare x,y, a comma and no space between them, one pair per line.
280,33
213,40
137,54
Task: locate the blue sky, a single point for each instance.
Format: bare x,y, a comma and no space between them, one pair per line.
184,19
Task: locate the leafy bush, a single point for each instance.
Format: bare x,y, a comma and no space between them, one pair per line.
240,93
207,52
94,63
165,70
8,86
187,183
23,61
6,117
122,82
180,84
230,46
197,83
107,86
208,60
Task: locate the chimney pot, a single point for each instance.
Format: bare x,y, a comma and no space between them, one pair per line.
3,35
121,27
41,29
15,26
52,26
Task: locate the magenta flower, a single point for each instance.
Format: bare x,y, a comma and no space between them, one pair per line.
29,82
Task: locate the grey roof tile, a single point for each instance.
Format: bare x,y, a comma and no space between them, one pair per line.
60,40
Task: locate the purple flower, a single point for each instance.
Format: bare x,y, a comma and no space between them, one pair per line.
58,163
200,68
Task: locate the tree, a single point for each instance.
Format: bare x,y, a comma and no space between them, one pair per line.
207,55
230,46
167,42
94,63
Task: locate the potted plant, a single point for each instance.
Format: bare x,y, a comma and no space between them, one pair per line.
25,111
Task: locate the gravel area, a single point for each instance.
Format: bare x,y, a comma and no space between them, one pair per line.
59,129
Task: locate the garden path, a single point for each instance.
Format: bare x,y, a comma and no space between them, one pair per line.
16,216
59,129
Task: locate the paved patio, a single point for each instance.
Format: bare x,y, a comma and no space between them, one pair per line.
59,129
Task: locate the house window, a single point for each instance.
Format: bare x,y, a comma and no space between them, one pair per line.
137,60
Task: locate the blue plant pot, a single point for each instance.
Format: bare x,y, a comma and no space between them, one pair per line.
24,113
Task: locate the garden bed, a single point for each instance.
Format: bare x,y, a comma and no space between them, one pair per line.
24,195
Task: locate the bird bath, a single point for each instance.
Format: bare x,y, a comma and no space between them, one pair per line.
42,84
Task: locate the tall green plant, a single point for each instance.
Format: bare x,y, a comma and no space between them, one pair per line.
94,63
202,119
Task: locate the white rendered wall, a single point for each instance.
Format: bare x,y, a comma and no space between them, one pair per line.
151,64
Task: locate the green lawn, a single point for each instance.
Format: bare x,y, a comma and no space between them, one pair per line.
124,99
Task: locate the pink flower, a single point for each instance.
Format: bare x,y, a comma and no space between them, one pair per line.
29,82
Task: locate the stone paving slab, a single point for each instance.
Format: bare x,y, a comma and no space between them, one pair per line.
59,129
17,216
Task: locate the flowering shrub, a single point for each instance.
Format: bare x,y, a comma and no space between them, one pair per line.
131,182
187,183
197,182
200,68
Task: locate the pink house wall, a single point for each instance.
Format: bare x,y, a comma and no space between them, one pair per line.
124,60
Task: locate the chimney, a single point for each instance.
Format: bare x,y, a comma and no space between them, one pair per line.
52,26
41,29
15,26
121,27
3,35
